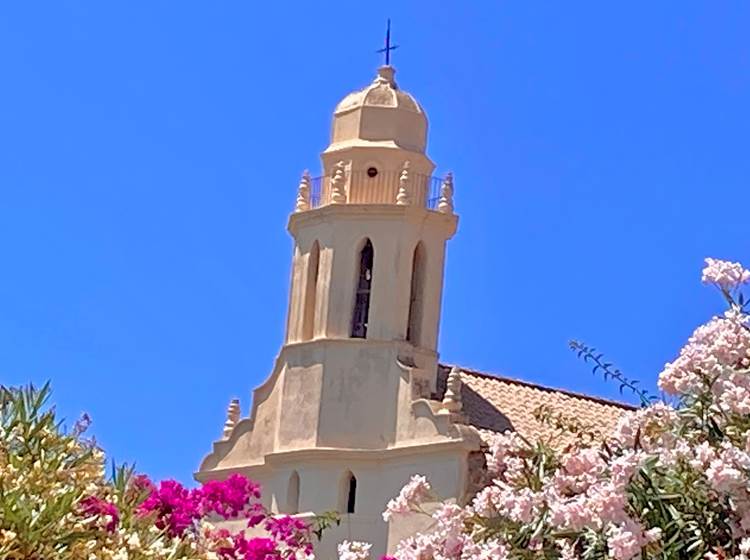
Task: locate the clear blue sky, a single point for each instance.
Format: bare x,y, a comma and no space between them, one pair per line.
150,153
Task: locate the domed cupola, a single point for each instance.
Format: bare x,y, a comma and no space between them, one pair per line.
380,115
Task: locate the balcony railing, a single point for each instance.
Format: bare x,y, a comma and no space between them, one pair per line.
316,189
383,188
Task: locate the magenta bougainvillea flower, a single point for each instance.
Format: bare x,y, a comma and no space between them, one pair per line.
103,512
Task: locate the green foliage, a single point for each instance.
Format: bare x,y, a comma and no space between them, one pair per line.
44,472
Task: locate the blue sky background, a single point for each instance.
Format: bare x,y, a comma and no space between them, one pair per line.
150,153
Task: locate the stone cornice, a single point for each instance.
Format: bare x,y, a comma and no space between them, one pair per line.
410,213
337,455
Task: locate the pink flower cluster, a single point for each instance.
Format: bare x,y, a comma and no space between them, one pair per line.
717,353
651,427
231,498
562,504
727,275
291,532
628,540
176,508
289,540
238,547
416,491
585,491
354,550
101,512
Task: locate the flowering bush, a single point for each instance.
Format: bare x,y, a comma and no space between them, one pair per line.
671,481
56,502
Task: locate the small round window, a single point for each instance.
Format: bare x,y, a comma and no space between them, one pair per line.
372,171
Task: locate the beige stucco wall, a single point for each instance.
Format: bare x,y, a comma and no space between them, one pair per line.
380,477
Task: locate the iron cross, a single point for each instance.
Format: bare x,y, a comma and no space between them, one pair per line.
388,47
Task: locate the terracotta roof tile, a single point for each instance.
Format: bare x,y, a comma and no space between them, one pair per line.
496,404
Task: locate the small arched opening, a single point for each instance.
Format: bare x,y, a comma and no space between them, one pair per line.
311,289
292,493
416,298
348,493
363,289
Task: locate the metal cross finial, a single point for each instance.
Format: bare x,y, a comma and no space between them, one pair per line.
388,47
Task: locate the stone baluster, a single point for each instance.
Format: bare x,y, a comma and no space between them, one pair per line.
452,398
233,416
303,193
338,180
445,204
403,198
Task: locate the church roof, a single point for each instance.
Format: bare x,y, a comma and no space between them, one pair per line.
495,403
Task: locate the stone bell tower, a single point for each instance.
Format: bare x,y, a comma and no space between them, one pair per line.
377,187
348,413
370,238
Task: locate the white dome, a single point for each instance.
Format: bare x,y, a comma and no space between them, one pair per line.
381,112
382,92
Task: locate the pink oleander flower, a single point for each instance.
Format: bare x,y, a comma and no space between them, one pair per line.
727,275
418,547
539,500
492,549
580,469
714,351
609,502
102,512
724,477
501,458
583,462
354,550
450,517
624,467
652,425
488,499
652,535
626,541
517,504
416,491
567,549
571,512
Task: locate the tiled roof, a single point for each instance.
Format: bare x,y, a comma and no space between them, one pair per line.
496,404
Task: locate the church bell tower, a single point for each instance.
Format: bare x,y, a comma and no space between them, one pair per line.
370,236
376,189
350,410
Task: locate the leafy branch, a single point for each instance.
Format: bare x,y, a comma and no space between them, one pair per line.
590,355
566,424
